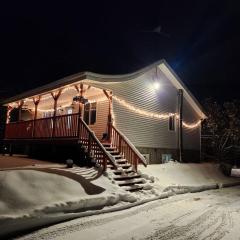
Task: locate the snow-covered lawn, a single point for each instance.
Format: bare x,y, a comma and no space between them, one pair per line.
187,174
206,215
33,198
30,198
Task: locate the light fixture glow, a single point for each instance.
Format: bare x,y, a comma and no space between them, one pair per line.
156,85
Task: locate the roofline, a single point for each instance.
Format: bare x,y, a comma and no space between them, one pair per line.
108,78
78,77
183,86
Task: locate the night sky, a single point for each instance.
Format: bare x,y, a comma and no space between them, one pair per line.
41,43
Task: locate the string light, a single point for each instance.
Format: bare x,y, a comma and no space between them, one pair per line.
120,101
102,99
142,112
193,125
154,115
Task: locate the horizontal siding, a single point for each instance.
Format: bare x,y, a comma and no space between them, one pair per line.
100,126
145,131
141,130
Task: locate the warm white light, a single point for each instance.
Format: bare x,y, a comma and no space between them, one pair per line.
156,85
154,115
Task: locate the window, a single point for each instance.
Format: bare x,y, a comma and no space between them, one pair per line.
171,123
90,113
166,157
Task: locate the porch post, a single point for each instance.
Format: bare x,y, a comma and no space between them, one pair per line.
9,109
80,93
109,96
55,98
36,102
20,104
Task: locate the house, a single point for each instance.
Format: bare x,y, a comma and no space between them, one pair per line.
148,113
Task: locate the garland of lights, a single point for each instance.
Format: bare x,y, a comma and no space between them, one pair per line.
153,115
124,104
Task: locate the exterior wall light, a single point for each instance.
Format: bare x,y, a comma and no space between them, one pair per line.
156,85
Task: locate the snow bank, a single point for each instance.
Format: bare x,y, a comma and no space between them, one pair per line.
189,174
30,198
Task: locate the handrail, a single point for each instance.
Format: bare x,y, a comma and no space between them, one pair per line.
94,146
66,126
126,148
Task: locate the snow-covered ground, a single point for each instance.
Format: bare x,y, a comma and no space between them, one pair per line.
188,174
30,198
34,198
206,215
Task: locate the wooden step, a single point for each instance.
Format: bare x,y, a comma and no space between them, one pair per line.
125,165
130,182
110,166
133,188
117,156
110,148
106,144
126,176
122,160
113,152
125,171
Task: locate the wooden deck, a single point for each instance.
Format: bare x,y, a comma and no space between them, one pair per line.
72,129
58,129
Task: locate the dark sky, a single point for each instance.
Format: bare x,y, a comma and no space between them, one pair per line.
41,43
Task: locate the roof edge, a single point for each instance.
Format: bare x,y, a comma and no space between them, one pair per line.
78,77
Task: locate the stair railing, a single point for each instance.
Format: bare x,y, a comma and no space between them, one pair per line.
126,148
94,146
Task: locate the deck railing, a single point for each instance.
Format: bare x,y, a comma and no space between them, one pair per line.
126,148
64,126
94,146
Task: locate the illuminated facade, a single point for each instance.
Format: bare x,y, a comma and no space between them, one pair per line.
152,108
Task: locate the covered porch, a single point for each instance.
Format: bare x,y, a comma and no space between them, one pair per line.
76,114
56,114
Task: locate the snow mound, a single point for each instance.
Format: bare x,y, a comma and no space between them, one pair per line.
29,196
189,174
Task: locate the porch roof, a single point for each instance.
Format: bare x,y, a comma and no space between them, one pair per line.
162,64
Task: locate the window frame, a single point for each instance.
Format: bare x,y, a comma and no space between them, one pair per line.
90,110
172,123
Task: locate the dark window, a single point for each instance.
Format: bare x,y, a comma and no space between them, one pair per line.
93,113
90,113
171,123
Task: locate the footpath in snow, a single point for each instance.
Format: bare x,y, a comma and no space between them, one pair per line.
34,198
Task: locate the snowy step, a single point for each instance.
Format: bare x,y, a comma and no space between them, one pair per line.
126,176
117,156
114,153
110,166
122,160
130,182
123,172
110,148
106,144
125,165
133,188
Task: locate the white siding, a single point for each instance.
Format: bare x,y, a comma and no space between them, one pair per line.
100,126
141,130
146,131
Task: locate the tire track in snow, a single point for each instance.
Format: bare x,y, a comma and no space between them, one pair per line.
83,223
215,220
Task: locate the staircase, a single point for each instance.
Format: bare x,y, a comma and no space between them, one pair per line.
125,175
